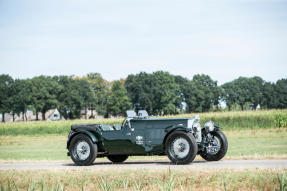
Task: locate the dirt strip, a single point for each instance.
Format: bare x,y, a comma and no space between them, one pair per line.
224,164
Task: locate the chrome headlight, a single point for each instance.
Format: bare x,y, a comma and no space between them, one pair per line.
196,127
209,126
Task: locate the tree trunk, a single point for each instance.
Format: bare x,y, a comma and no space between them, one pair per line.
229,107
26,116
92,112
241,105
13,115
43,115
37,116
86,112
3,117
23,113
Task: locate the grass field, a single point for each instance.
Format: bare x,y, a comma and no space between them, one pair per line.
166,180
243,144
228,120
251,135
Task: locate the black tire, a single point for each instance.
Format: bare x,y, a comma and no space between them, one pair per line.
223,147
117,158
191,152
91,156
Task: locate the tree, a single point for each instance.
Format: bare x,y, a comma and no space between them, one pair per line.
157,92
165,93
101,89
70,104
241,89
5,86
74,95
44,94
229,94
202,94
244,91
21,97
87,94
139,91
255,91
118,100
281,92
183,93
269,97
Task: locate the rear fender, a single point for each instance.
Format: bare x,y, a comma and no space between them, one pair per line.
85,132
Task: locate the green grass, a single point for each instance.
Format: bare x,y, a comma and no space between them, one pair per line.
144,180
252,144
261,143
228,120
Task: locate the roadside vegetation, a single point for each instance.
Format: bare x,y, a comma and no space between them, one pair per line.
160,93
165,180
236,120
243,144
251,135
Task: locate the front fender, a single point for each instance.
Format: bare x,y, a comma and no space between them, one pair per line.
173,128
216,128
179,127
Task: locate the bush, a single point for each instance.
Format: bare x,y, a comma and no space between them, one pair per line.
281,119
235,120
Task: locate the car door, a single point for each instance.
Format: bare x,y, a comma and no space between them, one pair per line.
137,136
117,141
127,140
154,135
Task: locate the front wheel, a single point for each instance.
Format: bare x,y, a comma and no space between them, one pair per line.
117,158
216,148
181,147
83,150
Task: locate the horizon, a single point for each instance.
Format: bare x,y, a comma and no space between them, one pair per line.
73,75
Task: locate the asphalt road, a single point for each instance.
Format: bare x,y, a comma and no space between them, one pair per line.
229,164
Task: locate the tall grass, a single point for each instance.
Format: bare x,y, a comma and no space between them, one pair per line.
144,180
228,120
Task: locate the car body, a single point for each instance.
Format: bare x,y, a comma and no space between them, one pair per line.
141,135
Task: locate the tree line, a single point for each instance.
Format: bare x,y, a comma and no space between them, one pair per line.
160,93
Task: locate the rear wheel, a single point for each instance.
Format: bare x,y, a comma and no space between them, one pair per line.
217,148
181,147
117,158
83,150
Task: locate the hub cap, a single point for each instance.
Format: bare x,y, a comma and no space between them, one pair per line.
180,148
214,147
82,150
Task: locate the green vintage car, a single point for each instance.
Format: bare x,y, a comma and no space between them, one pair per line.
139,135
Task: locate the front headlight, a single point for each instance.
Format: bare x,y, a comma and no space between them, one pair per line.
209,126
196,127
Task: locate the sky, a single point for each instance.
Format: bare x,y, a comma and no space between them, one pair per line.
224,39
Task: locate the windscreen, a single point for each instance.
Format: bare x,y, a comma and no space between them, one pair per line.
131,114
143,113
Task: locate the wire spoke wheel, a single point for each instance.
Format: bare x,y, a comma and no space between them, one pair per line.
82,150
216,148
180,148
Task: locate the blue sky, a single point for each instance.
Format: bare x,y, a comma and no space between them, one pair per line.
224,39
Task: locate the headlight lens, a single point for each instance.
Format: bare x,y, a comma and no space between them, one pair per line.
209,126
196,126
